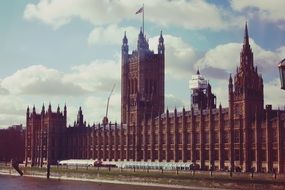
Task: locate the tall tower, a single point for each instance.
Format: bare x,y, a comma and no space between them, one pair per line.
247,95
246,99
142,81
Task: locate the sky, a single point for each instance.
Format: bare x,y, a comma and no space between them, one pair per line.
68,51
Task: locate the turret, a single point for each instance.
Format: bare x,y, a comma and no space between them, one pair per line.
230,84
49,108
125,46
65,112
161,44
142,43
43,109
34,109
80,117
28,111
58,109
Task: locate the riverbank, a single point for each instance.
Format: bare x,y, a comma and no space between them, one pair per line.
170,179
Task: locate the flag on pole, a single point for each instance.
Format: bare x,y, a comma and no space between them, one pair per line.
140,10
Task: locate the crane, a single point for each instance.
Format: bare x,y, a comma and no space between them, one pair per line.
105,119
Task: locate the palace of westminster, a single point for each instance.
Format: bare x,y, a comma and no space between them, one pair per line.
246,134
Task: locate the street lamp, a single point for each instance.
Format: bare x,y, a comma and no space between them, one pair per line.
282,73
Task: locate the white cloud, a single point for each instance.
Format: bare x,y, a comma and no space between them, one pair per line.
100,75
198,14
226,57
50,85
220,89
180,56
7,120
39,80
172,102
3,91
12,110
112,34
95,108
270,11
59,12
11,104
273,93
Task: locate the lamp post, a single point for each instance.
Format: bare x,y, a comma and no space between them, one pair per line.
281,67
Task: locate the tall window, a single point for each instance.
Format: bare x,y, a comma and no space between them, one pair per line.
263,155
226,154
206,154
274,135
236,136
263,135
216,155
226,137
179,140
197,138
252,136
236,155
216,137
206,137
275,155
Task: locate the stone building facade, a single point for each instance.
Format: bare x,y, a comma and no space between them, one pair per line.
12,149
241,136
45,136
142,81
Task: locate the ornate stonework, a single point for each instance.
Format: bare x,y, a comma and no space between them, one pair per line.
242,136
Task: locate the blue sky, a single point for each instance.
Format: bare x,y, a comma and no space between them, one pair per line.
64,51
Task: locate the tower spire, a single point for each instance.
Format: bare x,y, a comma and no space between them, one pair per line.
198,71
246,40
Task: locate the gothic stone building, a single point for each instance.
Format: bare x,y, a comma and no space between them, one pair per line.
244,135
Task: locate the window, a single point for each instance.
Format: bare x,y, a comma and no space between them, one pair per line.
274,155
155,139
207,137
274,135
263,155
197,154
171,139
226,154
226,137
206,154
163,139
197,138
263,136
216,154
253,155
237,155
179,140
216,137
188,138
236,136
252,136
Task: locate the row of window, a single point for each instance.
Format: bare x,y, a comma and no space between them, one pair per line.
196,156
150,86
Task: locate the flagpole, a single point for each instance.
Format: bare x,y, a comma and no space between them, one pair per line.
143,20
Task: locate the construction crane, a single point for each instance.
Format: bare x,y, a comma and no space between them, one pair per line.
105,119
